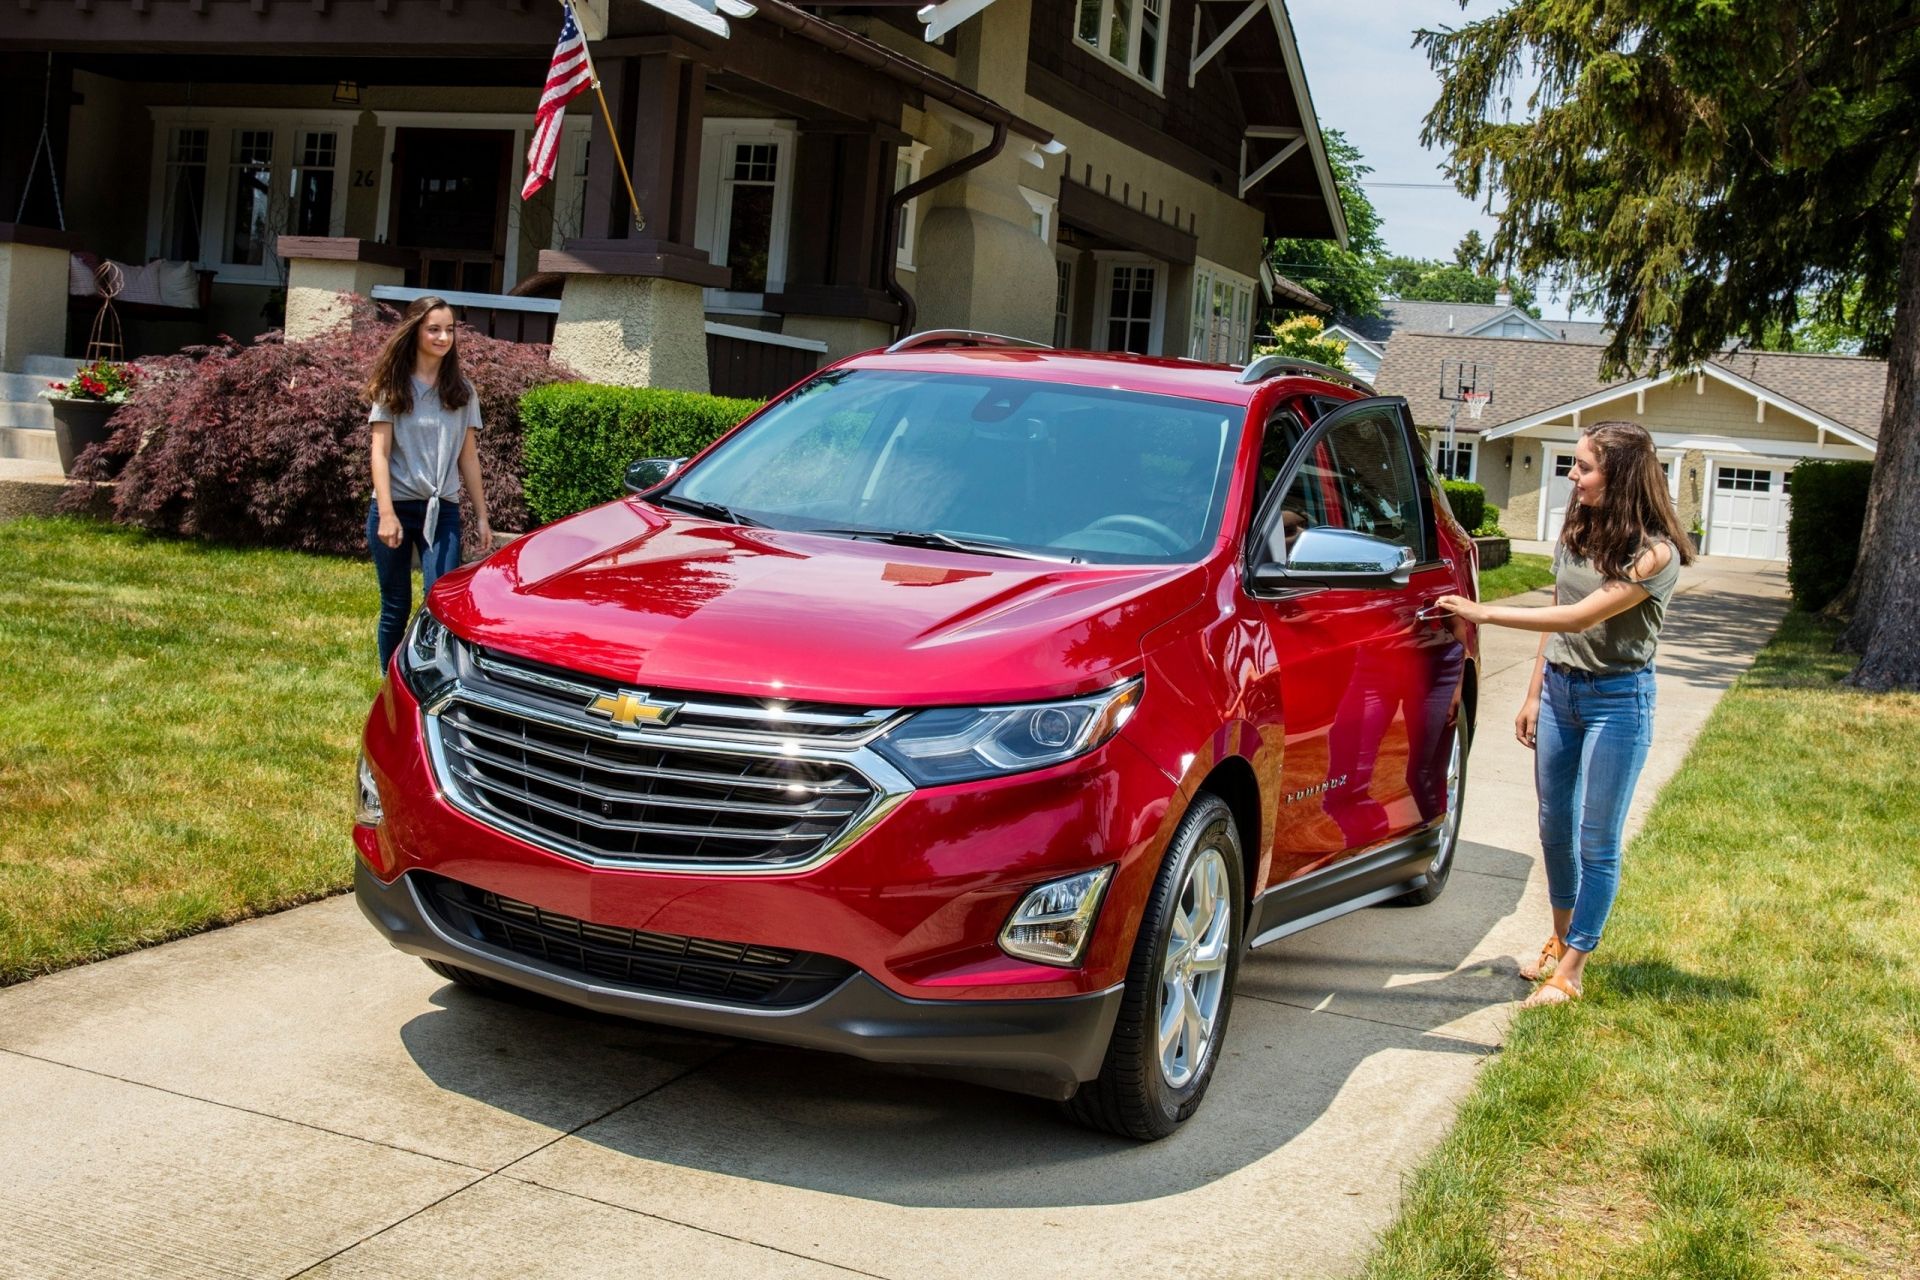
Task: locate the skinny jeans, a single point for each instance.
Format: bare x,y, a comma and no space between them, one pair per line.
1589,746
393,566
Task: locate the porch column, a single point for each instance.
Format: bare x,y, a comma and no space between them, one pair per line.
33,292
632,310
834,291
323,270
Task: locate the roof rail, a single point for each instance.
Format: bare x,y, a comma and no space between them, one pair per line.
961,338
1279,366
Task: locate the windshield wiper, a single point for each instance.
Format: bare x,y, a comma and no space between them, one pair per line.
711,510
939,541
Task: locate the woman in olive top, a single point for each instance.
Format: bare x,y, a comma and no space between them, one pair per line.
425,416
1589,710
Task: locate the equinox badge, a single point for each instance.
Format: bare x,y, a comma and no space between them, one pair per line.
628,709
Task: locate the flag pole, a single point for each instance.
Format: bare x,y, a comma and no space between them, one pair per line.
613,133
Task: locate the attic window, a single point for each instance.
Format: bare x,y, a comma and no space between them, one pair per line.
1131,33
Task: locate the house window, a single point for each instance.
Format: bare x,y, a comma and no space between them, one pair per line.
185,195
1222,313
745,198
311,191
1454,461
1041,208
906,172
1132,300
1062,302
250,197
1128,32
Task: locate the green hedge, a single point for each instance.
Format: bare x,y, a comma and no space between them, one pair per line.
580,436
1823,534
1469,503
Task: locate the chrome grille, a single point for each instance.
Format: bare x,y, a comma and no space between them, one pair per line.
740,972
639,799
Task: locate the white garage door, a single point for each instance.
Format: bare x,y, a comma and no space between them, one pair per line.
1747,515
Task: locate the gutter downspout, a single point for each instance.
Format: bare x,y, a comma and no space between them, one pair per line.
890,258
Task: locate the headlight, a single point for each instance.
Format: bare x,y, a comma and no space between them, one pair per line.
366,801
960,744
428,655
1053,922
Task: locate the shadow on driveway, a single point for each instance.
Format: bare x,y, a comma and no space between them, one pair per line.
1309,1013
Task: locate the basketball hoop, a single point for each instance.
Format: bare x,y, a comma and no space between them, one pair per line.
1476,402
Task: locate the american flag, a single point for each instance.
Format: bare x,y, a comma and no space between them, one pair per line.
568,76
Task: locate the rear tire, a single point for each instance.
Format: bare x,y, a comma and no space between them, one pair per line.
472,981
1456,783
1179,992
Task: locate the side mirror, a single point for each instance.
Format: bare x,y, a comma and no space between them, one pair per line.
651,473
1331,558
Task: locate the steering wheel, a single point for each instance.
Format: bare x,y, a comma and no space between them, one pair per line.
1141,524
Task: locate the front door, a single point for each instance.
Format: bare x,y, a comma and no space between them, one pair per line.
1364,683
450,205
1559,490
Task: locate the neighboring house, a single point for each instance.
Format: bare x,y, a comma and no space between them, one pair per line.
1086,172
1728,431
1367,337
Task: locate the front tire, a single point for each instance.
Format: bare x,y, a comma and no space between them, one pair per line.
1179,992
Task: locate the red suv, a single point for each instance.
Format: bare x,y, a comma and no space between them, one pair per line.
973,705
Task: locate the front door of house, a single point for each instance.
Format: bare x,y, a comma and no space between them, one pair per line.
450,205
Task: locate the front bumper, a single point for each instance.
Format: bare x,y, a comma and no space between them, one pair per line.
1041,1046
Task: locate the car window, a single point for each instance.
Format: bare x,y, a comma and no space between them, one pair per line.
1093,473
1283,433
1360,476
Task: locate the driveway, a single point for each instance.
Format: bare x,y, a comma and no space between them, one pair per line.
289,1097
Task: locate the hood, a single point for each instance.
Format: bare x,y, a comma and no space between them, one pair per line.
633,594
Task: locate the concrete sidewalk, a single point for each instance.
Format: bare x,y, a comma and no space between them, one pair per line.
291,1097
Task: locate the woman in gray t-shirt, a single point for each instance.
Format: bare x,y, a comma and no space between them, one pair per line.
424,418
1589,710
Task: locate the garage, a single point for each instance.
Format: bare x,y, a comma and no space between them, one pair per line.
1747,511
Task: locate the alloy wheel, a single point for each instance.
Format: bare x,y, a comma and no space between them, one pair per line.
1193,976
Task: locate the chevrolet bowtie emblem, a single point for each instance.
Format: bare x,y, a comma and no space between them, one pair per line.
629,709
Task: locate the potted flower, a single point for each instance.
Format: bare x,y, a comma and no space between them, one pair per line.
84,405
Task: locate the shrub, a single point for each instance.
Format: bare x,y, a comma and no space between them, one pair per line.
580,436
1490,524
1469,502
1823,534
266,444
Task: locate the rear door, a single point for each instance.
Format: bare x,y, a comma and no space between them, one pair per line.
1364,683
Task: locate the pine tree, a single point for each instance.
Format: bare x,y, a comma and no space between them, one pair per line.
1699,171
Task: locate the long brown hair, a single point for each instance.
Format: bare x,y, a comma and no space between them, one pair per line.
391,383
1634,510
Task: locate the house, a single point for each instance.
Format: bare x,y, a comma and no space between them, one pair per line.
814,182
1728,430
1367,336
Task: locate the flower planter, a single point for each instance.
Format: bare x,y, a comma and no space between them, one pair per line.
77,424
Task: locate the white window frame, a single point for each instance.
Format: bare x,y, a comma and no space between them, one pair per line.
1063,319
910,157
1460,441
717,141
1042,206
1201,328
221,123
1105,261
1124,65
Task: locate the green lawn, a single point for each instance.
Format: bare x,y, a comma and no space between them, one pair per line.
178,726
1523,572
1739,1094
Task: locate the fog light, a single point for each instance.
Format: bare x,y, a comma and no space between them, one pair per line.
1053,922
366,801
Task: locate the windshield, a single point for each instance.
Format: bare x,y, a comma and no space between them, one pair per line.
1082,473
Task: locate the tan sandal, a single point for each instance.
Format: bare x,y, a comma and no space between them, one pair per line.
1550,954
1568,993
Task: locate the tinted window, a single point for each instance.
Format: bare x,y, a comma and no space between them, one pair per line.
1088,472
1361,477
1282,437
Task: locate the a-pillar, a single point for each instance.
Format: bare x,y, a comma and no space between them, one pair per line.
324,272
632,310
33,292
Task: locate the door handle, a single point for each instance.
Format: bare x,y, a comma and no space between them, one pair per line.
1433,613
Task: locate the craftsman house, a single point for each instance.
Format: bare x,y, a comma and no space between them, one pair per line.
814,182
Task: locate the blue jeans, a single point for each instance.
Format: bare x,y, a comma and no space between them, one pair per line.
393,566
1591,741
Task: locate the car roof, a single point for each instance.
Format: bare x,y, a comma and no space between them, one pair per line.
1154,375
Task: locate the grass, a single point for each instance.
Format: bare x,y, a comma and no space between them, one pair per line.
1739,1094
178,726
1522,572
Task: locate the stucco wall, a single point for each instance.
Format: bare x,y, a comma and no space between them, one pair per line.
33,303
631,331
